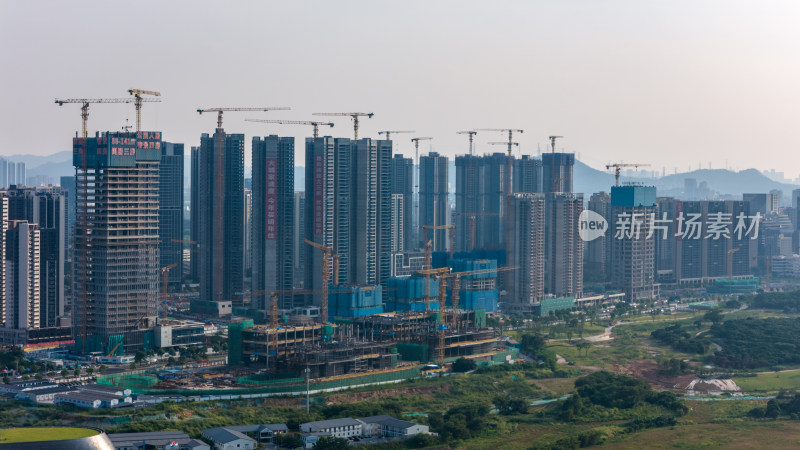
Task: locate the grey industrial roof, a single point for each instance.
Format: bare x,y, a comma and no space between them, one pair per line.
388,421
224,435
86,395
49,390
333,423
255,428
100,387
148,436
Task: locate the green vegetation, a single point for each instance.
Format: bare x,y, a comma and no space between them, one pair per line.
681,339
754,343
782,301
463,365
18,435
769,381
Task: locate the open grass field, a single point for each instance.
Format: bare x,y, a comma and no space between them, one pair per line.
770,381
17,435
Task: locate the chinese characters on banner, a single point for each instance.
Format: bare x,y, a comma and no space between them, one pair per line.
272,199
148,140
688,226
318,184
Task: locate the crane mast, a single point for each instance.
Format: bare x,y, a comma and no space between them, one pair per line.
138,100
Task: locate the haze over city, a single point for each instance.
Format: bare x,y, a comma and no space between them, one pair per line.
192,258
676,84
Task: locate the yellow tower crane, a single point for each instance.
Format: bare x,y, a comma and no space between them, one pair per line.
327,254
138,99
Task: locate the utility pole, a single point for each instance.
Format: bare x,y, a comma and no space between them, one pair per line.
308,390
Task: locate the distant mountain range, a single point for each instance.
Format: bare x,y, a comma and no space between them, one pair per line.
728,184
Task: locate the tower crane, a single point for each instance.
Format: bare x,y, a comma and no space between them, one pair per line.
82,198
327,253
471,136
164,279
416,146
219,195
219,111
295,122
618,169
390,133
138,99
354,115
472,217
450,234
553,142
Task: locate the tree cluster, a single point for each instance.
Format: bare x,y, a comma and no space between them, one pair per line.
752,343
681,340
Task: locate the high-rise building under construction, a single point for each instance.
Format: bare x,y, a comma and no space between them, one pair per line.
481,185
433,209
273,219
116,263
220,217
348,208
527,214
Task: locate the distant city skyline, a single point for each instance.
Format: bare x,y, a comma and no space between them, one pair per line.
672,84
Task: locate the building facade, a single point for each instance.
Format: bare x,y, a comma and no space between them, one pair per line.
527,249
433,209
403,184
481,185
46,208
632,261
557,172
563,245
348,208
170,211
116,262
273,224
220,217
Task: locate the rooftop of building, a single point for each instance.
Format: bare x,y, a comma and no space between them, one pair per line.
91,396
281,427
388,421
101,388
334,423
224,435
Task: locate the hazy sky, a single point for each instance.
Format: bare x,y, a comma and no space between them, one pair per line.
671,83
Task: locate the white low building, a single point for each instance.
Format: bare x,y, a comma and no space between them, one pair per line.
340,428
85,399
389,427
